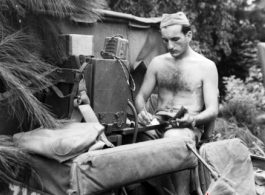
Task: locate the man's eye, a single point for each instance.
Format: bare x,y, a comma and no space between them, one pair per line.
165,40
175,40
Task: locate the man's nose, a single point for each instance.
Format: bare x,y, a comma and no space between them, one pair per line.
170,45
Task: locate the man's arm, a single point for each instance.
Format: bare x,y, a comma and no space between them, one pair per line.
145,91
210,94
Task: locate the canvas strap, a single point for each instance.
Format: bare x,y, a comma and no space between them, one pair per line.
75,89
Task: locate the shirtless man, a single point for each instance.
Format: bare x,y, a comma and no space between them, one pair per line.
183,78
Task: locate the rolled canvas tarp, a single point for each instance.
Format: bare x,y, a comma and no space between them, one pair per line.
103,170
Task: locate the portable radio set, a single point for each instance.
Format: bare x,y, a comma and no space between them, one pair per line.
116,46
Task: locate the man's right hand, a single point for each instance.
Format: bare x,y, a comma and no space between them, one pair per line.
145,118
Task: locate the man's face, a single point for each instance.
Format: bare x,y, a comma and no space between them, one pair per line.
175,41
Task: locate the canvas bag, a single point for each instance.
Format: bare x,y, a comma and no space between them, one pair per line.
231,159
102,170
61,144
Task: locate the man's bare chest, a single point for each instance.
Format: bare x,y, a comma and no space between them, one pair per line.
179,79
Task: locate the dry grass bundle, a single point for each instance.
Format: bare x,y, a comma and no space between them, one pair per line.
14,164
55,8
229,129
21,72
29,43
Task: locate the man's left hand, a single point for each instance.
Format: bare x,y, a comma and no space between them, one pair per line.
183,122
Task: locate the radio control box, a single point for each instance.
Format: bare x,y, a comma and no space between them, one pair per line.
117,46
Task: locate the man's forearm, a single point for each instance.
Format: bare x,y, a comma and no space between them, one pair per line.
206,116
139,103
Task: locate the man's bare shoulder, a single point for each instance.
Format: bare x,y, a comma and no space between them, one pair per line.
162,58
159,61
203,60
207,67
205,64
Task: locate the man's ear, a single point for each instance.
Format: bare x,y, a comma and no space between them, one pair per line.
189,36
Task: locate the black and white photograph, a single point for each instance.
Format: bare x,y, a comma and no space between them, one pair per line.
132,97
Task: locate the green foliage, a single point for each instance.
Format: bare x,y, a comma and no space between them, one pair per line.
251,89
257,19
244,100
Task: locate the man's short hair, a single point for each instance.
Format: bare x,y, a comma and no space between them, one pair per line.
185,29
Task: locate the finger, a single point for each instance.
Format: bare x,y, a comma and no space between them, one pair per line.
150,116
142,120
111,145
145,116
144,123
184,118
